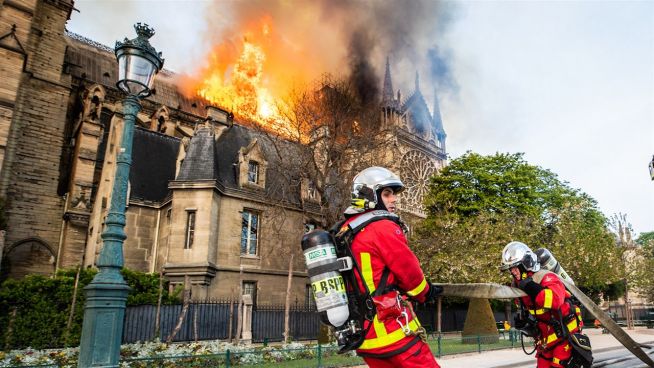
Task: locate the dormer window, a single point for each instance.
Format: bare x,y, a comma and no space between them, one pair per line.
311,190
252,167
253,172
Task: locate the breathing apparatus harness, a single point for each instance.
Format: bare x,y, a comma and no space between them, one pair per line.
528,325
360,302
559,325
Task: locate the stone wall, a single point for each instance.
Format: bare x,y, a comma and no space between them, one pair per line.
31,161
271,289
141,230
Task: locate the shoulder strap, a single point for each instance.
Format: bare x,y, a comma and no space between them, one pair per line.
538,276
382,283
365,219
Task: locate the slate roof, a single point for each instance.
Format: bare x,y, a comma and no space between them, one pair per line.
282,179
154,156
208,158
420,116
89,60
200,160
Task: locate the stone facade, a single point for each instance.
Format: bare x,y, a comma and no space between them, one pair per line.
33,106
203,199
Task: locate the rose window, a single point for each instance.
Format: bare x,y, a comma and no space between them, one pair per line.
416,169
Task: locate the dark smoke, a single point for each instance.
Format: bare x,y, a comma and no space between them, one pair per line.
401,29
362,72
367,30
439,67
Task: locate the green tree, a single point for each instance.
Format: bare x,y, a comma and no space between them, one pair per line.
642,276
480,203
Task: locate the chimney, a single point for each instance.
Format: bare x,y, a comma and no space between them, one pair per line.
218,115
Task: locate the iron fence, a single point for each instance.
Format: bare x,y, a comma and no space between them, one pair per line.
211,320
205,320
452,319
268,323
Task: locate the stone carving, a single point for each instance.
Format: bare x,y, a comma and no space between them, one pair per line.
416,170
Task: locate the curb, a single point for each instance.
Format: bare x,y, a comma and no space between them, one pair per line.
519,364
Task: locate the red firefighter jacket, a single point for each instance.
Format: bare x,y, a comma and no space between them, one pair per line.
551,305
382,244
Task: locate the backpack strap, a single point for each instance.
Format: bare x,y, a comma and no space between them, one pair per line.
343,236
365,219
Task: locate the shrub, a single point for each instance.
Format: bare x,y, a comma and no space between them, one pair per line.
34,311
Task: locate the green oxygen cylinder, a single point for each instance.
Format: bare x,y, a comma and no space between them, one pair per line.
548,262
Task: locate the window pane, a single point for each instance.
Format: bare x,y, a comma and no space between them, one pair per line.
253,172
190,229
245,224
254,224
250,288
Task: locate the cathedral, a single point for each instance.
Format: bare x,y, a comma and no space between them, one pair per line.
202,201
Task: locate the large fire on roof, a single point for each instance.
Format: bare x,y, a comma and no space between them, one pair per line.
263,50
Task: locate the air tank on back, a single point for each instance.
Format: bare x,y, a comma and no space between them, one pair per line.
548,262
327,282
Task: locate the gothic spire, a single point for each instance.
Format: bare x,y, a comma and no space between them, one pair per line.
387,93
436,117
417,82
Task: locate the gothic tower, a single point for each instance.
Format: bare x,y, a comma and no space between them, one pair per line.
419,142
33,105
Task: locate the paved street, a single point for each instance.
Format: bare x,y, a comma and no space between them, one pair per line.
607,351
605,347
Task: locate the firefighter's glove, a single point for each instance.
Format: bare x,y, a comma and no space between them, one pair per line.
433,293
518,322
530,287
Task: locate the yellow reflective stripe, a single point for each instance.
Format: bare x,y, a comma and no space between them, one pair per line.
551,338
380,328
572,325
556,360
419,289
548,298
388,339
366,271
537,311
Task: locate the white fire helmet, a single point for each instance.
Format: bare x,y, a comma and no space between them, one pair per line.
366,184
515,254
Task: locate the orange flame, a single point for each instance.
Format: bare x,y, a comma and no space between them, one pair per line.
249,77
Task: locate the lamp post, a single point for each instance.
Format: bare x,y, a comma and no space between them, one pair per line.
104,311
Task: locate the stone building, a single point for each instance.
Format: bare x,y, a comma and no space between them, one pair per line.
205,196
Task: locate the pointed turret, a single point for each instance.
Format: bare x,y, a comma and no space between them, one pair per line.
387,93
438,122
417,81
436,116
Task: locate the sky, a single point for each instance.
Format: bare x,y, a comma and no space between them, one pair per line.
569,83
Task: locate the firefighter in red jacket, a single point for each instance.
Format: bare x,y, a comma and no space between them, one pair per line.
548,314
382,251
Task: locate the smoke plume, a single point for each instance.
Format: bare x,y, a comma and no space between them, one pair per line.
346,38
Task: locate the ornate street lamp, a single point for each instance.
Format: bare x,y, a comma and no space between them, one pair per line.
104,311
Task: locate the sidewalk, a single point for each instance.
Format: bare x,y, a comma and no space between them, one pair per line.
509,357
506,358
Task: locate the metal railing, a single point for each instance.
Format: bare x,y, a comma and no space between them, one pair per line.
206,320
